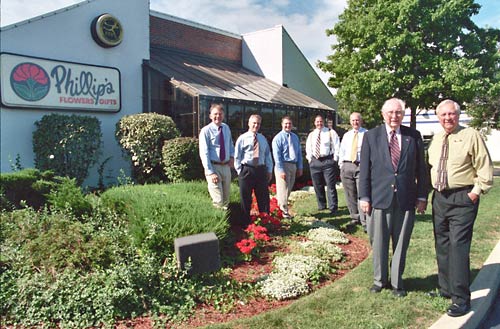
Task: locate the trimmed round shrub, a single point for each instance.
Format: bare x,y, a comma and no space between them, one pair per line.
181,161
25,187
142,136
67,144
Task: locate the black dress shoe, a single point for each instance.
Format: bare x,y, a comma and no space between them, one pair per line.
399,292
375,289
435,294
458,309
354,222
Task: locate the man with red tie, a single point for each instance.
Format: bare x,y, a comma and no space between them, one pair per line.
393,182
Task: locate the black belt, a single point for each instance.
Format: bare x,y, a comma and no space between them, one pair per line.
293,162
251,166
220,163
326,157
458,189
354,162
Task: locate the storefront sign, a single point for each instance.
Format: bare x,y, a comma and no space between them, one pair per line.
43,83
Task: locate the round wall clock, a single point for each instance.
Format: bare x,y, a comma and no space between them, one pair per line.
107,31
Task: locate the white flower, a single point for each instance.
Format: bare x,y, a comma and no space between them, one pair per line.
327,235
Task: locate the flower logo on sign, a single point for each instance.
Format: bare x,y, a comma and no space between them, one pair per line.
30,81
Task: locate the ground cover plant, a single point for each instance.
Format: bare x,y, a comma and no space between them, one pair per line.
59,269
112,261
347,302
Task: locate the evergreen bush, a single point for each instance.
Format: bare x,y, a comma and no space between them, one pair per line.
181,161
67,196
67,144
26,187
160,213
142,137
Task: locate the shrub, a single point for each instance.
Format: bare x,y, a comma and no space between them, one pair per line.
181,161
160,213
67,196
68,145
28,186
57,241
142,137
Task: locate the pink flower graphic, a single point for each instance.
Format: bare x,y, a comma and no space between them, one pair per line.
30,81
32,71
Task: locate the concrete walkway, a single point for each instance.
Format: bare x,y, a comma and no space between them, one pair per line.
484,292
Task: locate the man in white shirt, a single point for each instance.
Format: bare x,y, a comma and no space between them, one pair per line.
350,148
322,152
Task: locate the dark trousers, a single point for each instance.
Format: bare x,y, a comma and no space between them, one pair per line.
324,173
453,216
253,179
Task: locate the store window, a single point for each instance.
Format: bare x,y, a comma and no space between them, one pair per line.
267,119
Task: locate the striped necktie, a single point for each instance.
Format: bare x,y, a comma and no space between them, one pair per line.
255,150
394,149
317,151
442,173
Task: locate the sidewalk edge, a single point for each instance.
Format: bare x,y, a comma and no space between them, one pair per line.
484,291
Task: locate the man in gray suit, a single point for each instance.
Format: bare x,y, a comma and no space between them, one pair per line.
393,182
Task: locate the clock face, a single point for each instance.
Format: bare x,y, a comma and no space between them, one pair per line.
107,30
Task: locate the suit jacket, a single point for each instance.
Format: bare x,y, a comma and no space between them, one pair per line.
378,180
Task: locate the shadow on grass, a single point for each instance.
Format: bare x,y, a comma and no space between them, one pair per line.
429,283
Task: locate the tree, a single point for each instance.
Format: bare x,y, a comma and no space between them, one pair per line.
421,51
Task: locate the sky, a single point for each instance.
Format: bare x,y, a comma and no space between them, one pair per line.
305,20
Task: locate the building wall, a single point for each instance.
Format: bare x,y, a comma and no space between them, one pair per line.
193,37
274,54
263,53
299,74
65,35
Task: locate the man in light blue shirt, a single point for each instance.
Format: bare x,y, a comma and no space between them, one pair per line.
350,149
287,156
217,156
253,163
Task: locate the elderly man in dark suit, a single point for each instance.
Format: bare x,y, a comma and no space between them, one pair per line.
393,182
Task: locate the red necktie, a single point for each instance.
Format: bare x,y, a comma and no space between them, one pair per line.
394,149
222,150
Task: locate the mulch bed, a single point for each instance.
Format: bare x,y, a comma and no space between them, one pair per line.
355,252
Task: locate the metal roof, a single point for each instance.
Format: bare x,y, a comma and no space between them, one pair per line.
206,76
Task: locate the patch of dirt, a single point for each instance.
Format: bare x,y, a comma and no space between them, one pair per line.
355,252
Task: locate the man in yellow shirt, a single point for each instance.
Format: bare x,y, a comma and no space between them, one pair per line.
461,169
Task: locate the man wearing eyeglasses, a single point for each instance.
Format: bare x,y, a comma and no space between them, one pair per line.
393,182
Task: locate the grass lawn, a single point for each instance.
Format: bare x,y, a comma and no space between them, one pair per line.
347,303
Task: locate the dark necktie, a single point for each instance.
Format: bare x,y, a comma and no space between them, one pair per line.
317,151
255,150
442,173
222,150
394,149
